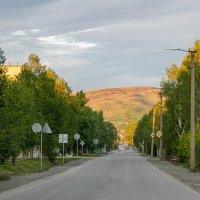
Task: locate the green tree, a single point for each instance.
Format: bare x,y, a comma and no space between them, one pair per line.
3,86
2,57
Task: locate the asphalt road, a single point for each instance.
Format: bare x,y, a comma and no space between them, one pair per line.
118,176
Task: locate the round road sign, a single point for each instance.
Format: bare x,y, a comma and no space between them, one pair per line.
36,128
76,136
153,135
82,143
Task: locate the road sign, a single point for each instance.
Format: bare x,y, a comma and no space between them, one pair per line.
153,135
82,143
76,136
36,128
95,141
159,134
46,128
63,138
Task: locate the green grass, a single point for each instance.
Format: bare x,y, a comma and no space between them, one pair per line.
4,177
33,166
27,166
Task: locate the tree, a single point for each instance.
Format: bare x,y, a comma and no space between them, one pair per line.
39,95
3,86
2,57
129,132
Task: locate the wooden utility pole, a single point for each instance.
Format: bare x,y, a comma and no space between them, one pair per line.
192,119
192,110
153,134
161,127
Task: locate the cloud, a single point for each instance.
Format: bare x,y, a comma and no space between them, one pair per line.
25,32
87,30
100,43
63,41
62,45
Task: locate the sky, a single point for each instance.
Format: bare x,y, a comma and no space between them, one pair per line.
97,44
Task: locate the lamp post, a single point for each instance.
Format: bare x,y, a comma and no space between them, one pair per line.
192,109
37,128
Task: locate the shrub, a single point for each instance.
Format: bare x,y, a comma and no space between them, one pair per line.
183,149
4,177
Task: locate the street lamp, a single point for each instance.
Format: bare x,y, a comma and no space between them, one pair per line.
37,128
192,119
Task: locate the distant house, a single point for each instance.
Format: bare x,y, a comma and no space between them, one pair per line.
13,70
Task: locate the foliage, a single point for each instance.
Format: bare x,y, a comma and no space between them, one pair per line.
4,177
183,148
176,117
144,129
129,132
2,57
38,94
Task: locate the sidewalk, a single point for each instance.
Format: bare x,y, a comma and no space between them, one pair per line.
18,180
178,172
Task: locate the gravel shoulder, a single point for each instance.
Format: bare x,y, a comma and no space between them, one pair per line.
177,171
18,180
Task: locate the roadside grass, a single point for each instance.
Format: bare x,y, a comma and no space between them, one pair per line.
4,177
33,165
27,167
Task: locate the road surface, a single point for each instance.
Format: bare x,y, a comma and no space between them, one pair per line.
118,176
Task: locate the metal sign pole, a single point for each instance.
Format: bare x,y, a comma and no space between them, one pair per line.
63,152
41,154
37,128
77,150
77,137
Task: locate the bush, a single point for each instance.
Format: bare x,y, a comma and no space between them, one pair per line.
183,149
4,177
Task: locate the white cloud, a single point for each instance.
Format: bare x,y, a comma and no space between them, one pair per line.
63,40
103,38
87,30
25,32
64,43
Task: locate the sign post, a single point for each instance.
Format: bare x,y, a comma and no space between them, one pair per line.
37,128
82,143
95,141
77,137
63,138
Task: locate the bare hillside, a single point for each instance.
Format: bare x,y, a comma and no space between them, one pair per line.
121,105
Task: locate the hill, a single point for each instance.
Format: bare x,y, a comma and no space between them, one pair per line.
123,105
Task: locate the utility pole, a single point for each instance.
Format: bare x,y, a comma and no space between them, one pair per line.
153,134
192,120
192,109
161,126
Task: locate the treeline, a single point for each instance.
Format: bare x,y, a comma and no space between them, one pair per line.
176,89
39,95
